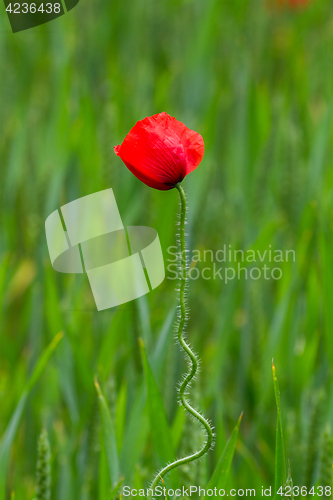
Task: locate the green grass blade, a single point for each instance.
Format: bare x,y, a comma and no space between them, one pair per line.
161,432
162,343
43,360
137,428
120,415
135,436
109,436
280,461
221,472
115,490
178,427
103,471
9,435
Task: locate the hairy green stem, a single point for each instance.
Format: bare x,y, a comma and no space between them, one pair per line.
193,360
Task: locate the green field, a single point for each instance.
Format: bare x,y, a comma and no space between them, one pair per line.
257,83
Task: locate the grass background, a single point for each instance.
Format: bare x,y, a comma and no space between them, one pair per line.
256,82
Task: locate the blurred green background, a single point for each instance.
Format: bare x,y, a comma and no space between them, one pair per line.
256,81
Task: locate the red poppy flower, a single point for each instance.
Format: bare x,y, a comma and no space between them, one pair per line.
298,3
294,4
160,151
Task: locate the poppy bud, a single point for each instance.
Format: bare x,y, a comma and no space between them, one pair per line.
160,151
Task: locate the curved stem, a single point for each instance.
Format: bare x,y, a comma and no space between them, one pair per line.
193,360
